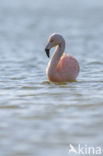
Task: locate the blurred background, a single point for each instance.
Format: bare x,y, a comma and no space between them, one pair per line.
38,117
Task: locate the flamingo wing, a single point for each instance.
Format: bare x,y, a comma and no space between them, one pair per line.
68,67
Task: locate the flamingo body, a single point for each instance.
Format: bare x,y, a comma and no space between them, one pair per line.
62,67
67,68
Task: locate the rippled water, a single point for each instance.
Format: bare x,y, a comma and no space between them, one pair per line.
39,118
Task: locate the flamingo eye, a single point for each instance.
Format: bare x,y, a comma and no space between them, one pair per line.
51,41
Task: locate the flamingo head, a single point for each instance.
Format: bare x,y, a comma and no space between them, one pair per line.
53,41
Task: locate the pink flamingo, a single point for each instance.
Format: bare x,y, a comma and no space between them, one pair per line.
62,67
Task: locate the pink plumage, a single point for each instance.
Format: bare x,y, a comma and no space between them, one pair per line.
62,67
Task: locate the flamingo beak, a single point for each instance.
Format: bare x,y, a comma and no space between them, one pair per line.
47,48
47,51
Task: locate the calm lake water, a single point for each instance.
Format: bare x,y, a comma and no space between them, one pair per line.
39,118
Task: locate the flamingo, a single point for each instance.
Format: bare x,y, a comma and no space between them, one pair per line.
62,67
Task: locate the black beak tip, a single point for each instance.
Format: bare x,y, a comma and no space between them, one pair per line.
47,51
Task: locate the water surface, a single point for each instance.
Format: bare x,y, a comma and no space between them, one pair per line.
38,117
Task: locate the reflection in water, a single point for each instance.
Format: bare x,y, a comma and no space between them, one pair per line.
38,117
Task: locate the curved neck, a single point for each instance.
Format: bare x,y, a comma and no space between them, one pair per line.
56,57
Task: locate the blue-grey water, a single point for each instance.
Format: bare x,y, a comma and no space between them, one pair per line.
39,118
